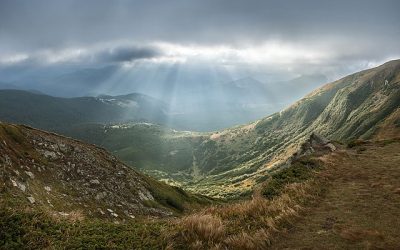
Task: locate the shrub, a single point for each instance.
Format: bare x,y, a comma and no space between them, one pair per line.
299,171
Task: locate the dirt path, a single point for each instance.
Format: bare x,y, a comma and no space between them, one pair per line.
361,207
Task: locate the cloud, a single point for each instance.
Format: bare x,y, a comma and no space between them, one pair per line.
43,24
126,54
85,56
304,34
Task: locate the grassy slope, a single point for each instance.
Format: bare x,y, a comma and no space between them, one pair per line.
36,230
43,225
361,207
70,190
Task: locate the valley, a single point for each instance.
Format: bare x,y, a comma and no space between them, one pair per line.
279,176
230,162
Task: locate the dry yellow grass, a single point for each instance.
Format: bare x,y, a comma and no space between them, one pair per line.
202,227
244,225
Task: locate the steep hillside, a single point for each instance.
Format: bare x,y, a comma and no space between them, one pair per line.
59,114
68,178
230,162
353,107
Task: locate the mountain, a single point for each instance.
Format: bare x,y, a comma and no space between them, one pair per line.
353,107
68,178
205,107
199,97
231,162
60,114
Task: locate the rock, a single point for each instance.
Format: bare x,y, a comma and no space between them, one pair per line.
95,181
49,154
47,188
31,199
30,174
22,186
7,160
145,195
316,143
101,195
19,185
14,183
331,146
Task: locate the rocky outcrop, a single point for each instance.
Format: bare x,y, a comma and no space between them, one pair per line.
316,144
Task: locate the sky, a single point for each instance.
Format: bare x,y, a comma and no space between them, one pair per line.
289,34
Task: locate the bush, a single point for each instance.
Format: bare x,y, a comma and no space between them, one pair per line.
299,171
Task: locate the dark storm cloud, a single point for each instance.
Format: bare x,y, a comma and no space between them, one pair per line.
86,57
126,54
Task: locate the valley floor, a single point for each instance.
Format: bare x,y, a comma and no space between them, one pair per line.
361,205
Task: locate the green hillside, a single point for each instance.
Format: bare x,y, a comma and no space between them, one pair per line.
229,163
